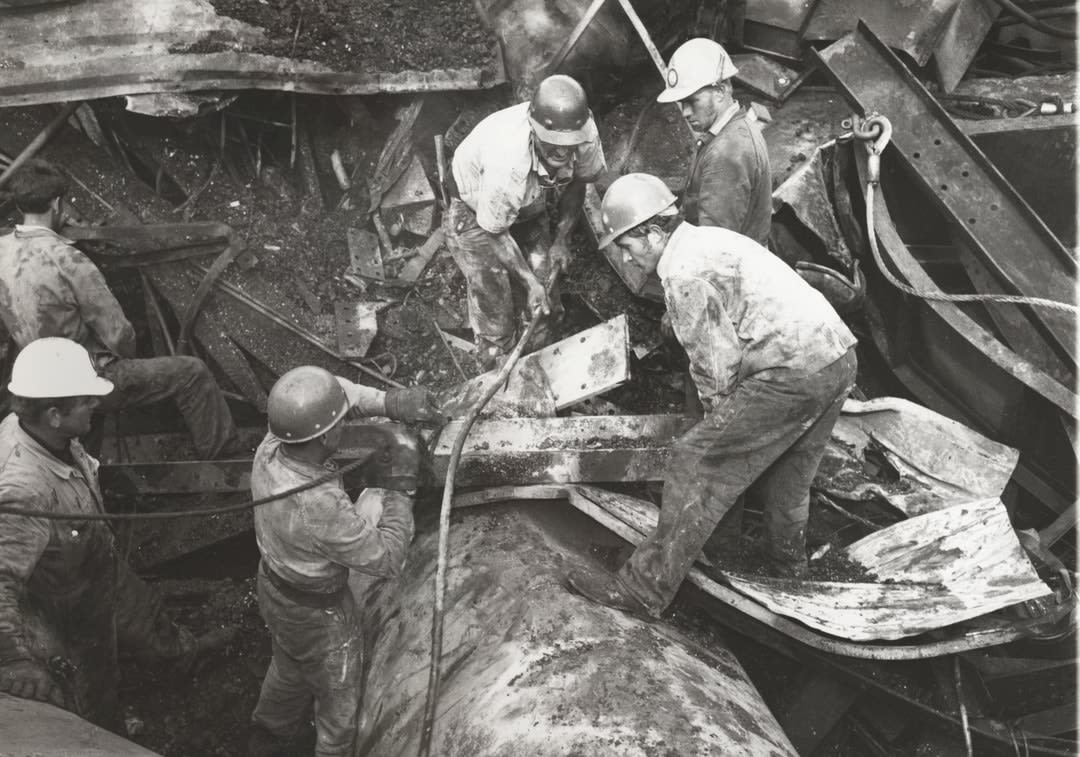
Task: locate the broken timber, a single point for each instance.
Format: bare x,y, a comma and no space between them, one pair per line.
1003,231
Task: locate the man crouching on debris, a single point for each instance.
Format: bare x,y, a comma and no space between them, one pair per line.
50,288
497,225
67,598
309,542
772,362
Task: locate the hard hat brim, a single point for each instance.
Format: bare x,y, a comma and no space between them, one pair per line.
682,91
560,138
98,387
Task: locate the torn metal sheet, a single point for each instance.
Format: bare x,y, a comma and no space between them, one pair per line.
766,77
105,48
1002,229
950,31
528,668
633,519
806,193
364,253
412,198
357,324
934,570
526,394
32,727
938,461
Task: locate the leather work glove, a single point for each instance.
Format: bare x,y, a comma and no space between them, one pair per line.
30,679
537,299
560,257
413,405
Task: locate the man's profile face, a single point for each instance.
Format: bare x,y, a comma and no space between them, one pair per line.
702,108
76,421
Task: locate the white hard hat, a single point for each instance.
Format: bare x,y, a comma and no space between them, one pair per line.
698,63
55,367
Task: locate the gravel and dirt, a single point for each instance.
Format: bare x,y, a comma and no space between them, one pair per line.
369,35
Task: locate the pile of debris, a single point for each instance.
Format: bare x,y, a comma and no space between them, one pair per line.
300,225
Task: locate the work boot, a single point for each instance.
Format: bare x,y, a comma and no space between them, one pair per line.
606,589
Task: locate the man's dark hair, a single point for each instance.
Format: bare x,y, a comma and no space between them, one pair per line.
37,184
667,224
32,409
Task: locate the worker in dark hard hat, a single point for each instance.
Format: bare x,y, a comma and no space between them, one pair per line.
772,362
50,288
497,225
729,183
67,597
309,542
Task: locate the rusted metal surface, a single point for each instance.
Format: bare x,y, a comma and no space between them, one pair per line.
117,47
773,26
1002,229
532,669
950,31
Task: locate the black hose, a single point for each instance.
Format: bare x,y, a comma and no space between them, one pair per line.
49,515
1034,23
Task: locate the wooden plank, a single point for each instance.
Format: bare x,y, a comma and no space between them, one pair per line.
37,728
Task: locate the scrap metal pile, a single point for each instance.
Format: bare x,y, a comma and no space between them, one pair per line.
299,224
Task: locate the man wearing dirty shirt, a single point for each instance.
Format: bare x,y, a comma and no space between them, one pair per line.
772,362
68,598
497,225
50,288
729,183
309,541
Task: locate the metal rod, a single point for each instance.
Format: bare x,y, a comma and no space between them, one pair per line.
243,298
39,141
449,349
658,61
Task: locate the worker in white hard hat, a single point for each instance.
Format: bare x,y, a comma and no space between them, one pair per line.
772,362
497,226
309,542
48,287
67,597
729,183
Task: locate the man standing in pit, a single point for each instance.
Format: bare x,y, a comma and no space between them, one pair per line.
309,541
729,183
50,288
497,225
772,362
67,597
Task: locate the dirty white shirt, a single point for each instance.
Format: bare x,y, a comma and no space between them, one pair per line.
497,171
740,311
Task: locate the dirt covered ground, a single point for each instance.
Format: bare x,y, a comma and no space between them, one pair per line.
377,35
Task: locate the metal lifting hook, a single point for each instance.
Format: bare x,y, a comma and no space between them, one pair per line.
876,131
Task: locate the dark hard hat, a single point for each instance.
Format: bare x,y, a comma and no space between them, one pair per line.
305,403
559,112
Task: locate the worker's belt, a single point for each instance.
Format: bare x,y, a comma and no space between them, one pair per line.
307,598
